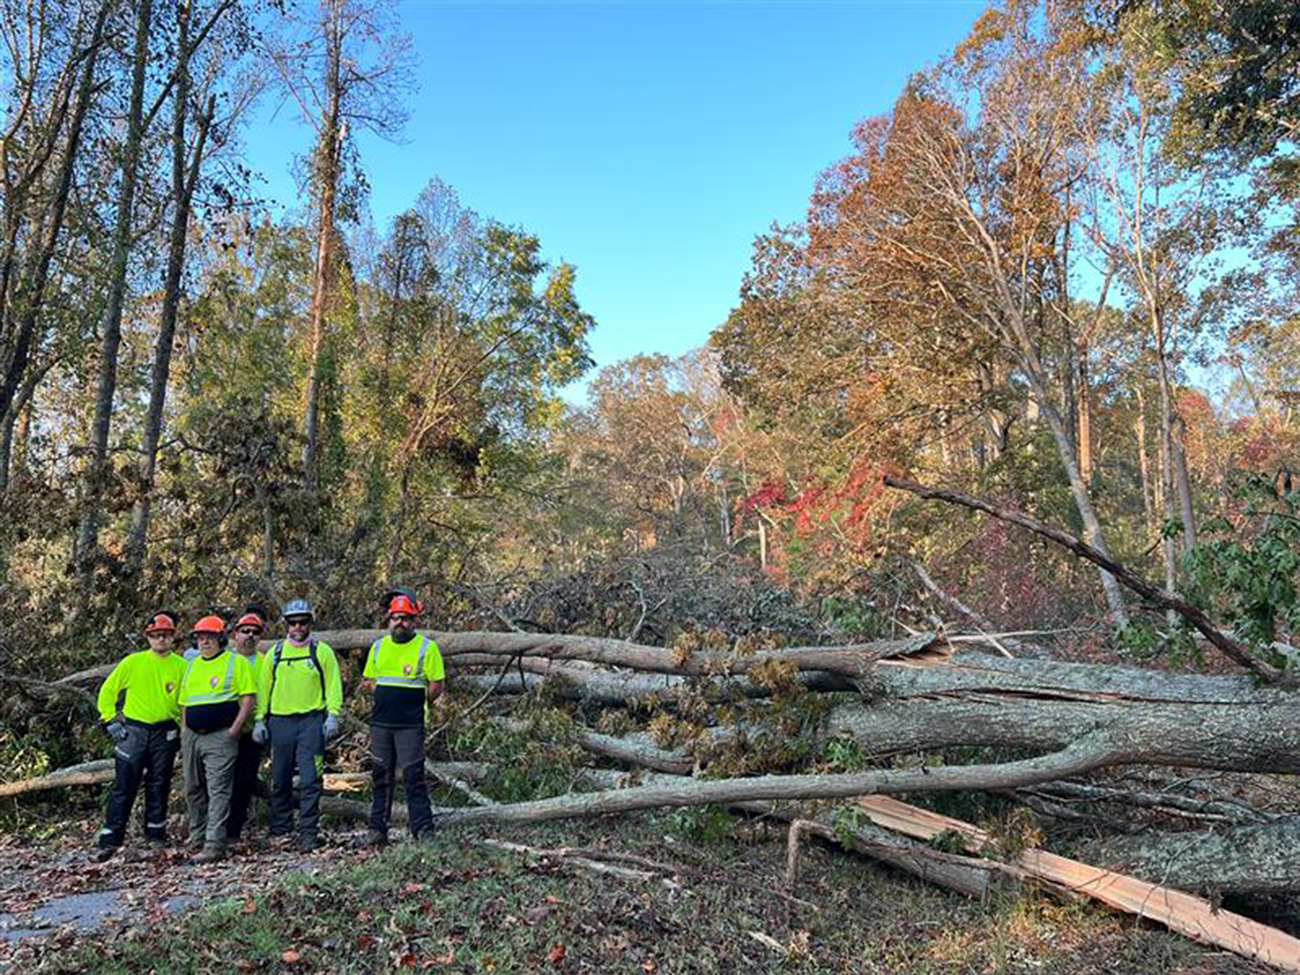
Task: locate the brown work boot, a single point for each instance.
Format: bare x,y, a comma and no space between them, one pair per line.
210,854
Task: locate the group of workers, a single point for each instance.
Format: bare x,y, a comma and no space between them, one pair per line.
223,702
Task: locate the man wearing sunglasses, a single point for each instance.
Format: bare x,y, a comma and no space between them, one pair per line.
247,632
404,670
146,735
299,698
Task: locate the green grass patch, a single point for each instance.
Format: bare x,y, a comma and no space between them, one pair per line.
459,905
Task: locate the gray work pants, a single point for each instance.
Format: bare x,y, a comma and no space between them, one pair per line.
297,742
209,764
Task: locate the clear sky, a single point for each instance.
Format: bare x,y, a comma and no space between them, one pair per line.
645,143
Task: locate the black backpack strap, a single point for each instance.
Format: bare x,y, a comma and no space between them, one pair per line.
276,652
320,671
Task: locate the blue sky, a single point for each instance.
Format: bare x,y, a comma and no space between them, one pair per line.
645,143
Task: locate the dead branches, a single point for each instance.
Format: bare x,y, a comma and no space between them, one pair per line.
1230,648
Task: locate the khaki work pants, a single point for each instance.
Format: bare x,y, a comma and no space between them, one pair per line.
209,764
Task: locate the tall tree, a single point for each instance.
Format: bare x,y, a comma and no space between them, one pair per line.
188,155
953,210
111,328
348,68
39,152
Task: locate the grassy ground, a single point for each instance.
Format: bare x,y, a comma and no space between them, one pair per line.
462,906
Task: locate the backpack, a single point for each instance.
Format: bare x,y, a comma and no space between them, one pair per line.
276,653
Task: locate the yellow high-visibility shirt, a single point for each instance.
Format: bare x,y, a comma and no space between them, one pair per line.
289,682
151,682
402,673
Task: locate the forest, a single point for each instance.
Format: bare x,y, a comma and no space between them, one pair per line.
985,494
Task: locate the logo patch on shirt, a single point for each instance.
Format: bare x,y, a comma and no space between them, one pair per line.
214,681
407,670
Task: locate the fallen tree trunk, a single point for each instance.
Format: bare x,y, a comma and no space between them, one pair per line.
921,696
1262,859
1087,753
488,648
1156,718
1188,915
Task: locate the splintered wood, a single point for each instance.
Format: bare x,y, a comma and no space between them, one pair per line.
1188,915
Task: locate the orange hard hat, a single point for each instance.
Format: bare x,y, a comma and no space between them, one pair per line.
161,622
213,625
251,619
404,604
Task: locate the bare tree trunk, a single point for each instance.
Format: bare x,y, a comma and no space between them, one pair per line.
19,407
1170,545
326,175
1092,532
97,470
1084,404
1144,466
1183,482
185,176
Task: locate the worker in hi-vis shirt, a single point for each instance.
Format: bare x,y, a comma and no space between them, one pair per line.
299,697
404,671
146,733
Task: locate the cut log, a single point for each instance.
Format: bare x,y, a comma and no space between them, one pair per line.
1188,915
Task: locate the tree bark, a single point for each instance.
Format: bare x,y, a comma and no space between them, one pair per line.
1144,466
1262,859
326,179
1184,482
1084,405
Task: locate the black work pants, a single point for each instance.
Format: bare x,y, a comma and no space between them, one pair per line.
148,756
297,742
393,750
244,787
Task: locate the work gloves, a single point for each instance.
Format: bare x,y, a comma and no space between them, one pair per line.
117,731
331,727
261,734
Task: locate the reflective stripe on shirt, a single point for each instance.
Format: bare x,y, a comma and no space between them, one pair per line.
225,694
395,680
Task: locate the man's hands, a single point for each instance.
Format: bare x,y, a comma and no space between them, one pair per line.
261,734
116,730
331,727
